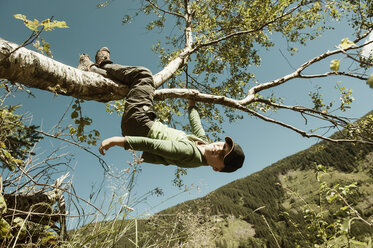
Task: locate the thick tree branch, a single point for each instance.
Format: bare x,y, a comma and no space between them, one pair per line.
38,71
169,70
228,102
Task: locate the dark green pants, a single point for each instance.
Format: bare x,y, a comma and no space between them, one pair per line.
139,115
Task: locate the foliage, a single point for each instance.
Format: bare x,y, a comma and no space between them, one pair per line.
362,128
17,142
228,38
16,138
81,122
37,27
333,219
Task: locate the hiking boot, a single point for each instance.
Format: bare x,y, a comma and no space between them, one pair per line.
85,63
103,57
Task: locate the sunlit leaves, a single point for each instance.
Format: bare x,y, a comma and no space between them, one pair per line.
346,43
5,229
361,129
38,27
46,25
329,220
318,101
346,97
334,64
16,138
44,47
104,4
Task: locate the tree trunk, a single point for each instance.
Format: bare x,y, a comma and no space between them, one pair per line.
38,71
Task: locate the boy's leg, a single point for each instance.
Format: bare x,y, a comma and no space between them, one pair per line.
139,115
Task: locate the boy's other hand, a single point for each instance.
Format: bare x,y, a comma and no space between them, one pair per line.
113,141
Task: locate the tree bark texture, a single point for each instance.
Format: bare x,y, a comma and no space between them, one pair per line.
38,71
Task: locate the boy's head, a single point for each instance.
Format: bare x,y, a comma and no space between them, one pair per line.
224,156
235,157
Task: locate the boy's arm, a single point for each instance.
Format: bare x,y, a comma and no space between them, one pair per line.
110,142
163,148
195,121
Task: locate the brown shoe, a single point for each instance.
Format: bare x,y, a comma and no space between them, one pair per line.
85,63
103,57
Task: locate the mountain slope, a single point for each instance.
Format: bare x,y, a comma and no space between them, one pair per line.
268,190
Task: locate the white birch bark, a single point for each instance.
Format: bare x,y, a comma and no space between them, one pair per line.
38,71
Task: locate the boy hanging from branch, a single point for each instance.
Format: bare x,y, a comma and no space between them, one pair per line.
161,144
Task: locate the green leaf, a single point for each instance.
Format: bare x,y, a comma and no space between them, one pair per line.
5,229
74,115
344,208
346,43
19,16
334,64
33,25
332,197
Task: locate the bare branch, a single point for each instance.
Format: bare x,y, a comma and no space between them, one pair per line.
335,120
334,73
228,102
58,188
303,133
297,73
102,162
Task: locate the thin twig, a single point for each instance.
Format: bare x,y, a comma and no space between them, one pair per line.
59,188
102,162
164,11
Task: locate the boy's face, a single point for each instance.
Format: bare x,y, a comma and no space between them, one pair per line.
215,153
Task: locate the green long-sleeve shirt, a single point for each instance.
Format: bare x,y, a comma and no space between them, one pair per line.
165,145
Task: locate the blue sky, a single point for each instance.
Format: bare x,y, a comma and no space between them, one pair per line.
91,28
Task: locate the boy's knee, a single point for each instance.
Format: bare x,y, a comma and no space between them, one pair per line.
144,71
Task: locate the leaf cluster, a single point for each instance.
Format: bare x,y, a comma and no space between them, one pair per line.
16,230
16,138
35,25
81,123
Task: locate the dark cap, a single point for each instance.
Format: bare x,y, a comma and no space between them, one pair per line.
233,160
